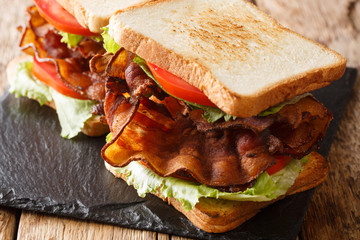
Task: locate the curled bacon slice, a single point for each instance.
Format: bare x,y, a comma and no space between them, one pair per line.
78,76
120,111
99,63
224,156
301,126
41,39
120,65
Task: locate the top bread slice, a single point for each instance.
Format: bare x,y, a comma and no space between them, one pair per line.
241,58
95,14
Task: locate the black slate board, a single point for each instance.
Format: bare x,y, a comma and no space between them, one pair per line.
40,171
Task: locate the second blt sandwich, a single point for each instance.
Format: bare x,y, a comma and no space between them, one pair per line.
56,70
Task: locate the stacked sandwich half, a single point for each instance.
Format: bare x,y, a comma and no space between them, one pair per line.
207,107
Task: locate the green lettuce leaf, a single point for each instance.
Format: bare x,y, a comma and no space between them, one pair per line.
211,114
109,44
142,63
72,40
72,113
25,84
97,38
108,137
278,107
188,193
285,178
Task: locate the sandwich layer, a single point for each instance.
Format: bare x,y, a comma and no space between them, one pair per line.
94,14
220,154
215,215
238,56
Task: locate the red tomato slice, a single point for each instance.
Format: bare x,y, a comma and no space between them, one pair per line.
281,162
177,87
57,16
46,73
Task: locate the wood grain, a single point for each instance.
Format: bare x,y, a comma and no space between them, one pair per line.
334,211
162,236
336,204
40,226
8,223
335,23
179,238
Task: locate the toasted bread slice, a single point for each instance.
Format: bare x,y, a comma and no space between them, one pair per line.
92,127
95,14
216,215
237,55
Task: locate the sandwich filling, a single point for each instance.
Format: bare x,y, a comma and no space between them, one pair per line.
266,188
61,62
172,138
43,41
72,112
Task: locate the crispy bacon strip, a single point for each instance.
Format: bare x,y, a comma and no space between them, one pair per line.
117,107
224,156
99,63
78,76
40,39
301,126
210,158
89,48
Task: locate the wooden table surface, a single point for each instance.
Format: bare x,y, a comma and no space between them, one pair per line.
334,211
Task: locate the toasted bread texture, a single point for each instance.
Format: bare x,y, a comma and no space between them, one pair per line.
241,58
95,14
217,215
92,127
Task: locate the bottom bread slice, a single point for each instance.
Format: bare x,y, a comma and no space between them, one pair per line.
217,215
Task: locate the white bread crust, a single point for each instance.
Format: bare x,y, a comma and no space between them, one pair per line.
189,66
